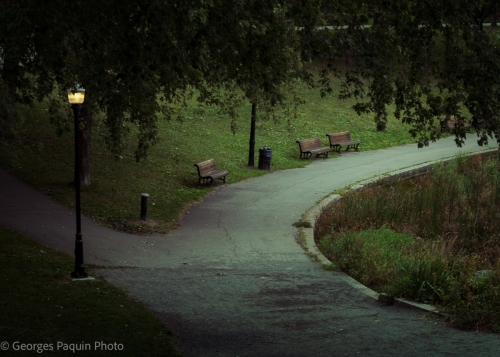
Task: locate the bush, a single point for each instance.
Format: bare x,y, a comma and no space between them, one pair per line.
472,301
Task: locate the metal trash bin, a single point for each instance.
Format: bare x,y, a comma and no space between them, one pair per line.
265,155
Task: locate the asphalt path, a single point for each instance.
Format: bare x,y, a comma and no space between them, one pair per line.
233,280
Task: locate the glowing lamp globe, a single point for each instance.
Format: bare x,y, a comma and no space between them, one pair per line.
76,96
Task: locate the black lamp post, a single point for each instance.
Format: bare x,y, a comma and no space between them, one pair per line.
76,98
251,150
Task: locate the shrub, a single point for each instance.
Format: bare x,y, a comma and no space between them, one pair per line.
472,300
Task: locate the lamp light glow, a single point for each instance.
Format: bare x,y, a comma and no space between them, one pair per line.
76,96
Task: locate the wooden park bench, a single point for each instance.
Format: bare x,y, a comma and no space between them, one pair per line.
449,125
492,19
312,146
207,172
338,140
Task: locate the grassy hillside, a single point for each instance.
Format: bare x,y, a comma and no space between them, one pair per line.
45,161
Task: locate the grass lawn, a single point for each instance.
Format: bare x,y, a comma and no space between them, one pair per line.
40,305
45,161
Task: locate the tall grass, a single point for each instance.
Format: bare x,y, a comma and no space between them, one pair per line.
368,256
458,199
433,238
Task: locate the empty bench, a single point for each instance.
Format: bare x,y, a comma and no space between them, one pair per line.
312,146
338,140
448,125
207,172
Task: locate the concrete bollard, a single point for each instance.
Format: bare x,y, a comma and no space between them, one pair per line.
144,205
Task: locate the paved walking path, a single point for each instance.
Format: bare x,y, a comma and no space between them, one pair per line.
233,281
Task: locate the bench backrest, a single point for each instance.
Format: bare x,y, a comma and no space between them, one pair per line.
450,123
451,118
308,144
339,137
205,167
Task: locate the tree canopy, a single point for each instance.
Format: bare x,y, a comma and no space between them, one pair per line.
430,58
138,57
135,58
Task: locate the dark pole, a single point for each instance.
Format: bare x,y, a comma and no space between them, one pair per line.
144,206
79,272
251,151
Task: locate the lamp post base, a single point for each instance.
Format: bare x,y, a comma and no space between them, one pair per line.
87,278
77,275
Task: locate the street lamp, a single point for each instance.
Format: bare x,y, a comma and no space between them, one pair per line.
76,97
251,151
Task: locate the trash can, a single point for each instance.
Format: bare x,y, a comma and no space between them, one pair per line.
265,155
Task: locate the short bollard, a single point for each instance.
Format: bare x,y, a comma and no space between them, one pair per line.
144,205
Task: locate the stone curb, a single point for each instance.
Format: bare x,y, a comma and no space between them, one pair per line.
313,213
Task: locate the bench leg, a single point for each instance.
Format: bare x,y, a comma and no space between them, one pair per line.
205,180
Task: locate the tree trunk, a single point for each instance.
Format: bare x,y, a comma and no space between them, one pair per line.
10,73
84,141
381,126
494,20
349,59
349,54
